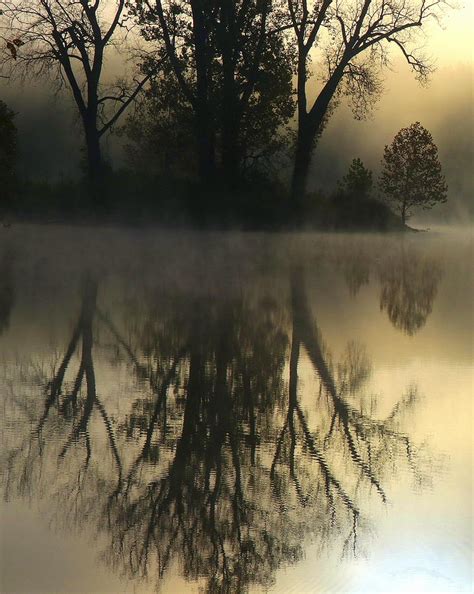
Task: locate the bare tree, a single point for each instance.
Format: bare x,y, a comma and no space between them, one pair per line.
68,40
350,42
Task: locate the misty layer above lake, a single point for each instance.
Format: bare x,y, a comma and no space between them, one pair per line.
235,412
48,151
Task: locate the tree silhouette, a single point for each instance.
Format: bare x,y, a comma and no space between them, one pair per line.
411,176
231,66
351,39
353,202
69,41
358,180
8,136
160,132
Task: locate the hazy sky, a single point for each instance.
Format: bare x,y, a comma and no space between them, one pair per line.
444,106
452,42
48,134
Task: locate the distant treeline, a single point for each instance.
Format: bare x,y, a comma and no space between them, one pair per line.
132,197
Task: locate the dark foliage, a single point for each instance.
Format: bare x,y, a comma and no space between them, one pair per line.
69,42
223,73
348,211
134,197
352,39
8,142
209,140
352,206
358,180
411,176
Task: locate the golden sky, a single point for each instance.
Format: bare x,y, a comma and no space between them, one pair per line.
451,42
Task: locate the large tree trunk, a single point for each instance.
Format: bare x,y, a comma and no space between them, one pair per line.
95,165
203,115
205,146
94,154
94,162
230,140
309,126
304,148
229,107
404,214
229,115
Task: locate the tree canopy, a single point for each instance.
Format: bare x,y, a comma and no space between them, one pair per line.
411,175
229,64
222,79
342,49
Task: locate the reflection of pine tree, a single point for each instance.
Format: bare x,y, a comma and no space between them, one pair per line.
356,266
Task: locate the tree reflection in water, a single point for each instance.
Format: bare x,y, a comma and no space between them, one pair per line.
409,286
408,281
217,464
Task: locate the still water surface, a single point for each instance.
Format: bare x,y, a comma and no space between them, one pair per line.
205,412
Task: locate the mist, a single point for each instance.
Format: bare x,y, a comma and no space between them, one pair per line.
48,130
444,107
236,355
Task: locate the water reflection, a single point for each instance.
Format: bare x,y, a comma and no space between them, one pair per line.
409,286
216,459
356,264
408,280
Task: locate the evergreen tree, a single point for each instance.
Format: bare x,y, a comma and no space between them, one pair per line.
358,180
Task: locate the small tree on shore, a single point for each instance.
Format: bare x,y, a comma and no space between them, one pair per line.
358,180
411,175
342,49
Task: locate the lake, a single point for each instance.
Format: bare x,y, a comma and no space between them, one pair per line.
235,412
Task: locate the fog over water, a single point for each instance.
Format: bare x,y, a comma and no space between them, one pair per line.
231,412
235,412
